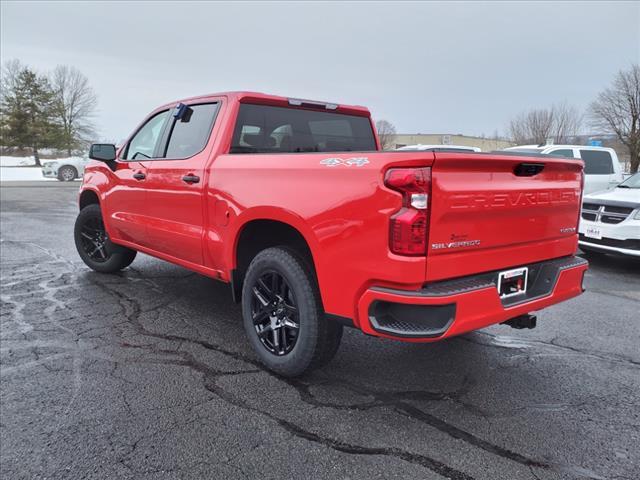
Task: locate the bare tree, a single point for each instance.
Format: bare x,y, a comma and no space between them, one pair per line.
560,122
8,83
386,133
75,104
567,122
617,111
9,77
533,126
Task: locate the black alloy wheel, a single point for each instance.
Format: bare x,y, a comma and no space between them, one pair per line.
94,239
275,313
94,246
283,315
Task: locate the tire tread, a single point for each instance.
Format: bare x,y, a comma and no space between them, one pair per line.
326,335
121,257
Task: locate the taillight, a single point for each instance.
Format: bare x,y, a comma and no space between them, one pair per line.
580,204
408,227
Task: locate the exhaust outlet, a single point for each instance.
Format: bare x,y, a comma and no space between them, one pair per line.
523,321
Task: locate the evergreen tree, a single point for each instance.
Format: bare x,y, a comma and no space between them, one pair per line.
27,111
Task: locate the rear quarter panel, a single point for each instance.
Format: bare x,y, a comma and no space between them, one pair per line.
342,211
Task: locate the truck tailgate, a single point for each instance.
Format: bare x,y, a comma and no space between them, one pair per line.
493,211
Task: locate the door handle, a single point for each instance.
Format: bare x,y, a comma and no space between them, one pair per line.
191,178
139,176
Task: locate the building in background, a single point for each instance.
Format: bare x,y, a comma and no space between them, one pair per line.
485,144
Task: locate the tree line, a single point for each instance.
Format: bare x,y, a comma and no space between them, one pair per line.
39,111
56,110
615,111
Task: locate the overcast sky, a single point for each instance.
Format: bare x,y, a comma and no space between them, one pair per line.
427,67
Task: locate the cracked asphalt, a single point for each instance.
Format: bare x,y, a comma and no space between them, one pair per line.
147,375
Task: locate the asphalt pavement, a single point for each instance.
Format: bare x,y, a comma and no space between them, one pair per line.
147,375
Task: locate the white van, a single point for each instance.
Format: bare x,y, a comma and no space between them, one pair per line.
610,220
601,165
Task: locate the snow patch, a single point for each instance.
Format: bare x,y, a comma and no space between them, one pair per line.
27,174
8,161
16,161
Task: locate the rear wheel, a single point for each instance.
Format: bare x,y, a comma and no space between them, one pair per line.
67,173
94,246
283,316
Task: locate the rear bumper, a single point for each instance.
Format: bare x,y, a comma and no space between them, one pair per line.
449,308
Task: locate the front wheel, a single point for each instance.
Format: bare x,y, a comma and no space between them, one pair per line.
94,246
283,316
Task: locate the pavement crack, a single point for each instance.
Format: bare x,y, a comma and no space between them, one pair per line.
520,343
132,311
339,445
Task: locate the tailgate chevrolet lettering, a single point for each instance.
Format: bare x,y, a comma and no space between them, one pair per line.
512,199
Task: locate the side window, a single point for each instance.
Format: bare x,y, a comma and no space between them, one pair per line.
143,143
190,133
597,162
568,153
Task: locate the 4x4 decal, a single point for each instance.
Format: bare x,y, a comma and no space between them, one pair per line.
349,162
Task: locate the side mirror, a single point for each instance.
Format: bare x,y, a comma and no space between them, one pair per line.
104,152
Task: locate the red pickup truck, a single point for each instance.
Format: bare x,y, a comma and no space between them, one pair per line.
293,204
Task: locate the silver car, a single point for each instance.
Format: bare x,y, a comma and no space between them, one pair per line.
64,169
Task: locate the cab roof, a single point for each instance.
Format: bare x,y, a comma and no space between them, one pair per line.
278,101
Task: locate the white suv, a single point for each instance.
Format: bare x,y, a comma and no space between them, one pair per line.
601,165
610,220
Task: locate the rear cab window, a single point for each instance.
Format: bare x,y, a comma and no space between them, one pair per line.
597,162
269,129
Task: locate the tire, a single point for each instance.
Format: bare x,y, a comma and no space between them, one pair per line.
271,309
67,173
93,244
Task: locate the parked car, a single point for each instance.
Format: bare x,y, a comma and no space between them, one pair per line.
601,165
611,220
293,204
65,169
439,148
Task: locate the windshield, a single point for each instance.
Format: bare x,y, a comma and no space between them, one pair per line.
632,182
